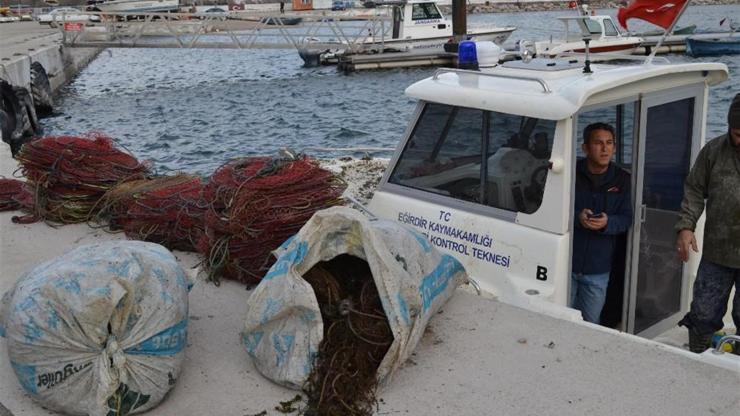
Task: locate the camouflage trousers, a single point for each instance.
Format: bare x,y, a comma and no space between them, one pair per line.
711,292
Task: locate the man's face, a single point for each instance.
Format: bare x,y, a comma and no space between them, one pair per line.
600,148
735,135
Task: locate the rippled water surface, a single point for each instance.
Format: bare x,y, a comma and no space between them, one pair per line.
193,109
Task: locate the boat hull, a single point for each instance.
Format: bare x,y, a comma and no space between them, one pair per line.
713,47
602,49
497,36
139,6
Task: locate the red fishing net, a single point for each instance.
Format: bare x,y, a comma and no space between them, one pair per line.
69,174
254,205
247,208
10,191
166,210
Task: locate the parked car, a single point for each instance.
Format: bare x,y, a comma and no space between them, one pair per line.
342,5
67,14
7,16
216,12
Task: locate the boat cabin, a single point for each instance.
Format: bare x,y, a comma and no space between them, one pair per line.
486,171
594,27
416,19
603,35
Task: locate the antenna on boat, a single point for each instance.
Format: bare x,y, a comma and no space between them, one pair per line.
587,68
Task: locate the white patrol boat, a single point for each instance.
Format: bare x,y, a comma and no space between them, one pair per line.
604,38
486,171
420,24
415,25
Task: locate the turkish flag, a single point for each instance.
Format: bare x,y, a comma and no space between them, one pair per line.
657,12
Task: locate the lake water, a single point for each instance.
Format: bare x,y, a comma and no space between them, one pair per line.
192,109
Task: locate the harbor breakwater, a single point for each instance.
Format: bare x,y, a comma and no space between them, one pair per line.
34,65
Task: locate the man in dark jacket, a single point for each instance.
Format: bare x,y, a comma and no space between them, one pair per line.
715,177
603,209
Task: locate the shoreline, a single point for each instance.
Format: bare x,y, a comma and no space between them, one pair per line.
510,7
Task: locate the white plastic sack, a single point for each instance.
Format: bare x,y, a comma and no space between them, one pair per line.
283,326
100,330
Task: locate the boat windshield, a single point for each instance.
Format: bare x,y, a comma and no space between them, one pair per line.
446,149
592,26
610,29
423,11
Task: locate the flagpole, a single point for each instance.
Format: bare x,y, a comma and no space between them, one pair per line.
665,34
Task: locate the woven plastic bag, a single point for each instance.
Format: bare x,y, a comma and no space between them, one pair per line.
283,327
100,330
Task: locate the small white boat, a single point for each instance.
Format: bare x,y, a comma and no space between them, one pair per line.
420,24
416,25
605,38
137,6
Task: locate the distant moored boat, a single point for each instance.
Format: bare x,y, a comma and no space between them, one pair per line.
729,45
138,6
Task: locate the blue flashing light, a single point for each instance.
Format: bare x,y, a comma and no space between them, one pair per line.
467,57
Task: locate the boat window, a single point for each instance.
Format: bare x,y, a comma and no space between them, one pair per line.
592,26
445,153
422,11
609,28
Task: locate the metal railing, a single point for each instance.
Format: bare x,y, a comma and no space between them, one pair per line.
546,88
233,30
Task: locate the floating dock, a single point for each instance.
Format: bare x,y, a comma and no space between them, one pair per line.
359,62
395,60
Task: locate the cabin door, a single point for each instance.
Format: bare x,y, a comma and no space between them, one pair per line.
657,287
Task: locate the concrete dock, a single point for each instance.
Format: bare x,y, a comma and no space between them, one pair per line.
478,356
24,42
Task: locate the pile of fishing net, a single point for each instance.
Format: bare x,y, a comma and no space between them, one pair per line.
69,174
255,204
11,192
356,338
167,210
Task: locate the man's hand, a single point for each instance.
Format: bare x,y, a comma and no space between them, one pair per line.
685,239
599,222
595,223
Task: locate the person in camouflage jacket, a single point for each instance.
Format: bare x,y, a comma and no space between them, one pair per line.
715,177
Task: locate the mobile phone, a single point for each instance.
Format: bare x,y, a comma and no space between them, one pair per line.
599,215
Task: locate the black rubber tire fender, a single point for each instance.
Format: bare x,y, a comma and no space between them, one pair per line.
9,105
27,113
6,126
43,100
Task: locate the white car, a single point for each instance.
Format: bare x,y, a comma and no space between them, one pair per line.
66,14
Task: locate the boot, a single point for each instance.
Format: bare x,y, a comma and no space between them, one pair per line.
699,343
